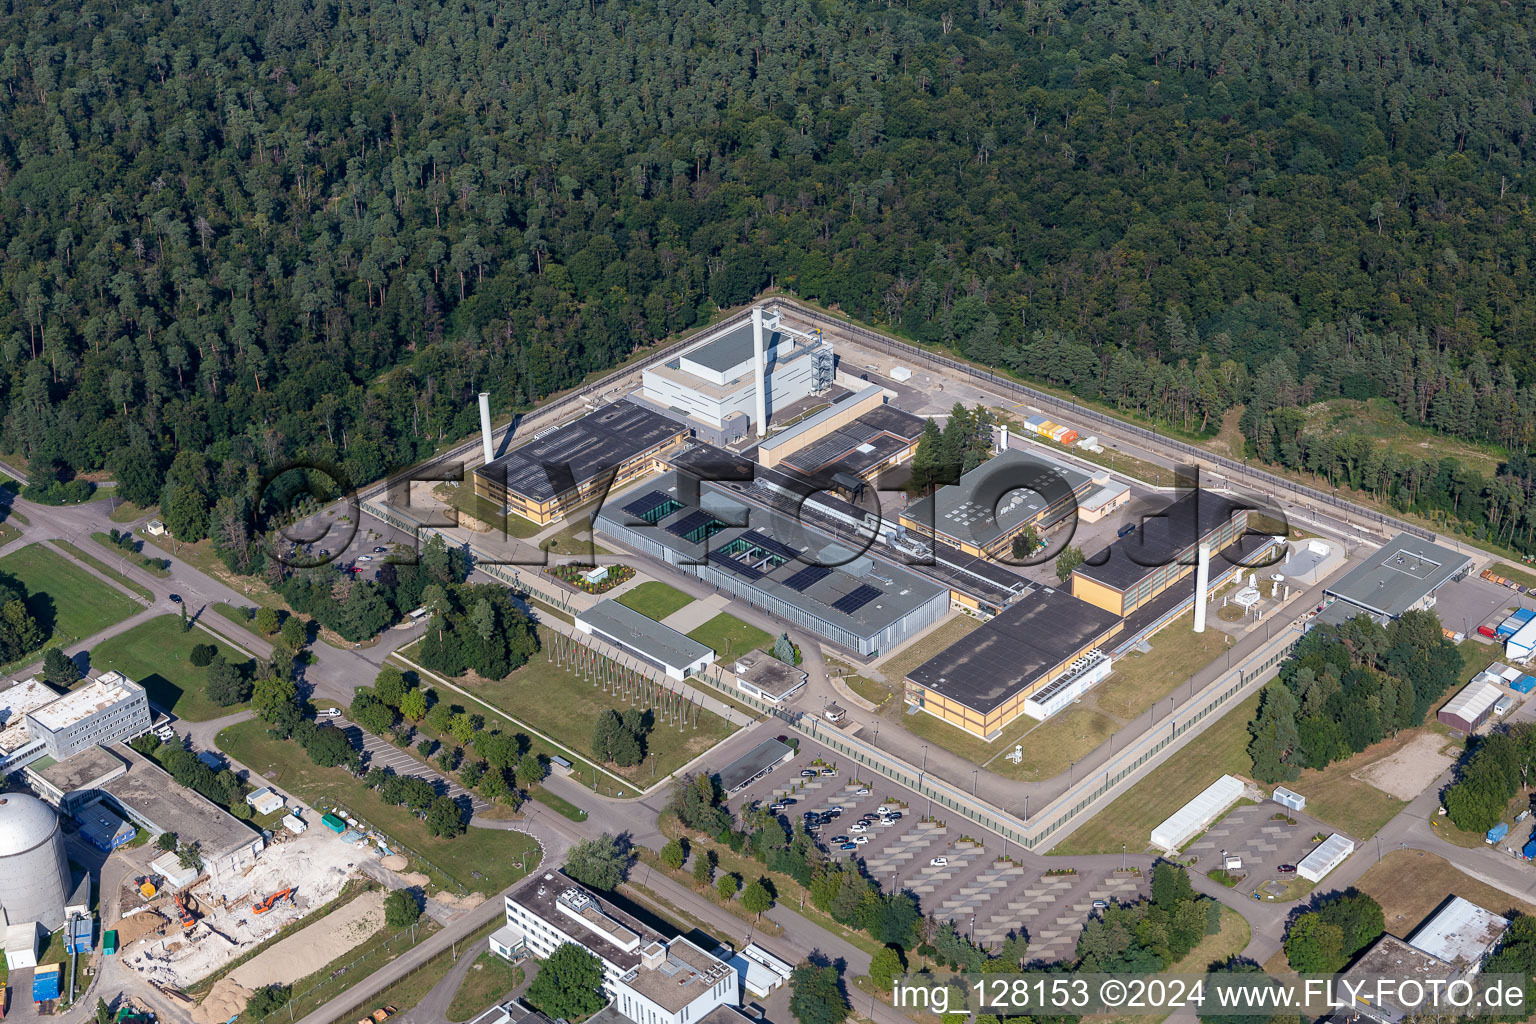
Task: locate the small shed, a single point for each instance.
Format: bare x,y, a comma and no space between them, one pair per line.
834,712
1288,798
21,946
1330,853
264,801
900,374
293,823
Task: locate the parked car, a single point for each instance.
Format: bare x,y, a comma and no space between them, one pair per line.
894,816
380,550
860,827
861,791
808,773
838,840
834,811
175,599
860,840
789,801
776,807
830,773
365,558
331,713
848,846
1100,905
939,862
1286,869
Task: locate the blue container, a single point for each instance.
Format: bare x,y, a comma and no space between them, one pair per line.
1498,832
1530,850
1525,684
45,983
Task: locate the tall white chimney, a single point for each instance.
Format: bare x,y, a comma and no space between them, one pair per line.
1002,441
485,427
760,367
1202,584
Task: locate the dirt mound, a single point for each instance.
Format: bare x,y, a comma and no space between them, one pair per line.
395,862
227,999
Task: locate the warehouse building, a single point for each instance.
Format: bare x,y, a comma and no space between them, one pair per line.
998,500
1329,854
651,979
565,467
775,563
645,638
1162,551
1471,707
859,437
1403,575
1035,659
713,387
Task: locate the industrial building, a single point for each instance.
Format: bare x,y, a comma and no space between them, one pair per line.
973,583
34,871
858,437
567,466
997,501
1035,658
1471,707
37,721
1451,945
776,563
645,638
1403,575
760,971
741,378
1162,550
753,765
651,979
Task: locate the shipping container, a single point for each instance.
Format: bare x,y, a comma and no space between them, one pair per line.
334,823
1530,849
1525,684
1496,833
109,942
45,983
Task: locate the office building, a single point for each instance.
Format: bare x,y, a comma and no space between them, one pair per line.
1404,574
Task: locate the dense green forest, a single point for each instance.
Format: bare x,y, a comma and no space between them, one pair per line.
263,230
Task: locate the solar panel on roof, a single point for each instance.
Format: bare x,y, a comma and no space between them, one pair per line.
768,544
855,599
807,576
696,526
642,508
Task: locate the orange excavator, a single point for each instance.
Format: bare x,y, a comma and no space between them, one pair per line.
271,901
185,912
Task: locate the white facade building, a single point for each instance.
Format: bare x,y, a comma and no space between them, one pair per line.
651,980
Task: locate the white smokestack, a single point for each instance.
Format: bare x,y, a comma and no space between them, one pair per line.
760,366
485,427
1002,442
1202,584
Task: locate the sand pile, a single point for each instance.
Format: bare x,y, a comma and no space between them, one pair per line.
395,862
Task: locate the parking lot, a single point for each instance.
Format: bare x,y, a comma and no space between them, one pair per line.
332,542
1469,603
380,753
1252,833
987,893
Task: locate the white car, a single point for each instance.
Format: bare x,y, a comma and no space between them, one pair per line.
365,558
939,862
861,840
861,791
332,712
859,827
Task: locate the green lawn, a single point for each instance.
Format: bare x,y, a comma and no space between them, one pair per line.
655,599
564,706
1139,680
494,854
103,568
1222,749
157,655
488,980
728,636
149,563
464,499
127,512
65,598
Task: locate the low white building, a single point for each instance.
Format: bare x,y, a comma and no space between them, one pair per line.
264,801
1189,820
642,636
1329,854
760,971
651,980
1460,933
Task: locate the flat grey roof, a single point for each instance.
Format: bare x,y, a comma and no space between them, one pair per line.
545,905
1459,933
643,634
1160,538
1012,650
598,442
1402,572
732,348
769,673
753,763
864,604
995,497
858,446
151,792
85,770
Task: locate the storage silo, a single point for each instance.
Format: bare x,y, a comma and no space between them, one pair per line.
34,873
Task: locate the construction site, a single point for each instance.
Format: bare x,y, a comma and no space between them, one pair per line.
175,937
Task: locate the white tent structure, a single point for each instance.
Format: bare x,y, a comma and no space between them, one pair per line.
1185,823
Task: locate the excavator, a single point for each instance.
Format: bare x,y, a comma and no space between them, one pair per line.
185,912
271,901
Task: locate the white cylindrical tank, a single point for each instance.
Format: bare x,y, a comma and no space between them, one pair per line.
34,873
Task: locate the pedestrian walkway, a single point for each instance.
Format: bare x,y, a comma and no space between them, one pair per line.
691,616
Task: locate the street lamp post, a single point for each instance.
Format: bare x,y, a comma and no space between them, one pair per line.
925,757
973,782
